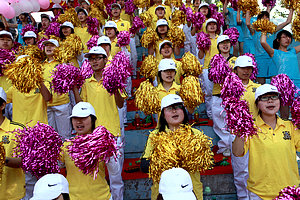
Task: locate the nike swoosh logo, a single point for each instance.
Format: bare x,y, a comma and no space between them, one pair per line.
51,185
183,186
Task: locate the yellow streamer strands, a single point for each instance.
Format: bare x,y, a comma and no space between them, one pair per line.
68,49
149,68
70,15
99,4
191,65
142,3
176,36
33,51
181,148
175,3
291,4
146,98
296,27
149,36
26,74
265,26
251,5
146,18
191,92
2,159
178,17
96,12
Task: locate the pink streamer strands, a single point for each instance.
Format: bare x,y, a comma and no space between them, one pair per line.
198,20
286,88
232,87
238,118
123,38
6,57
234,4
86,69
137,24
130,7
213,9
289,193
92,24
53,29
87,151
28,27
65,77
16,46
295,111
92,42
188,12
272,3
108,8
219,70
233,34
40,43
39,147
116,73
220,19
255,70
203,41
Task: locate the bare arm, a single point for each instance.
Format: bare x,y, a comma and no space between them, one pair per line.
4,22
297,48
119,100
265,45
287,22
13,162
76,94
201,53
151,49
177,51
193,31
238,17
238,146
45,92
248,23
32,19
225,10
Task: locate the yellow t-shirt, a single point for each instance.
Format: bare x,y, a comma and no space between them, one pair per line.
213,50
12,184
122,25
83,186
125,16
197,185
104,104
249,96
84,36
162,92
5,83
168,11
115,48
57,99
272,158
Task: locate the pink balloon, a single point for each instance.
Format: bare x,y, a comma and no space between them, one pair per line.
10,13
4,7
44,4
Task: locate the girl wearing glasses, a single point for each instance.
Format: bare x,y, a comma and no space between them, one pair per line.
272,152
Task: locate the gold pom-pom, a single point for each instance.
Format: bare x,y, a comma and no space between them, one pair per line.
191,92
68,49
291,4
175,3
191,65
149,37
142,3
33,51
176,36
70,15
149,67
250,5
146,18
97,13
265,26
146,98
99,4
2,158
181,148
25,74
178,17
296,27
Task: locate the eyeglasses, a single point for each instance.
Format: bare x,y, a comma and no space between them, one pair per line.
174,107
115,8
95,59
267,98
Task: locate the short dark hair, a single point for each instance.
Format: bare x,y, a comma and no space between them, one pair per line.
62,36
262,14
93,118
159,35
1,103
2,25
276,43
66,196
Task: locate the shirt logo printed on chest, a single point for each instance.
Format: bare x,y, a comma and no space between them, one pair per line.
122,24
5,139
286,135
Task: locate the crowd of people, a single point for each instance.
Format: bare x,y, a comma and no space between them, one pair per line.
262,165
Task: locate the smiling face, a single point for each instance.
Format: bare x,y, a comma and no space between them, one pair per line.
204,10
174,115
97,62
224,47
166,51
66,31
211,27
168,75
49,49
268,107
160,12
82,125
163,29
110,32
29,40
244,73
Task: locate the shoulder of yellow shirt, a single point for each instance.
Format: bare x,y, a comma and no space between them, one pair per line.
17,124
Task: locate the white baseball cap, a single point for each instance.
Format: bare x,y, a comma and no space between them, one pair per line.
80,9
51,41
204,4
103,40
56,6
166,64
162,22
50,187
211,20
264,89
110,24
170,99
86,1
43,15
83,109
96,50
244,61
222,38
176,184
116,4
3,94
6,33
164,42
67,24
160,6
29,34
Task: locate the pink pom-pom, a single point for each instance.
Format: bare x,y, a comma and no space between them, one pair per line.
188,12
203,41
6,57
86,69
16,47
40,43
53,29
130,7
289,193
28,27
116,73
108,8
123,38
238,118
213,9
219,70
137,24
295,111
220,19
198,20
271,3
39,147
286,87
65,77
92,24
255,69
233,87
234,4
92,42
87,151
233,34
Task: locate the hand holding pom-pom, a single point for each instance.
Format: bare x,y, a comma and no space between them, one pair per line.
178,18
137,24
295,111
86,69
286,87
146,18
203,41
265,26
233,34
6,57
232,87
198,20
249,5
53,29
123,38
291,4
219,70
92,24
28,27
